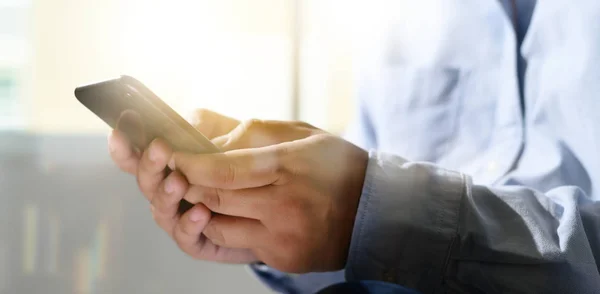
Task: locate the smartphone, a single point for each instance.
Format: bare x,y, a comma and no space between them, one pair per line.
125,104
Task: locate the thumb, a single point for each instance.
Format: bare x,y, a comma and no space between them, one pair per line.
238,169
261,133
212,124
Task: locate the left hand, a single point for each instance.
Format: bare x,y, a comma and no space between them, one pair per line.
293,204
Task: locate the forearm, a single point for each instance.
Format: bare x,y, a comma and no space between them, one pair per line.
428,228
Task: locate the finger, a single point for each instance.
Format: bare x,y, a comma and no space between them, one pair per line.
212,124
165,203
236,232
188,236
212,252
221,141
237,169
151,169
122,153
259,133
189,227
250,203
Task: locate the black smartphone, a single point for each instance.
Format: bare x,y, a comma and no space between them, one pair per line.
125,104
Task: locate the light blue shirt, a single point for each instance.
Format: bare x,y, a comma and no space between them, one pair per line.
477,182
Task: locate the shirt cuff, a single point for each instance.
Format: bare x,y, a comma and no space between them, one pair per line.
275,280
295,283
406,223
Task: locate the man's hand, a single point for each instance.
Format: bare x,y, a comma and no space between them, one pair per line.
165,193
292,204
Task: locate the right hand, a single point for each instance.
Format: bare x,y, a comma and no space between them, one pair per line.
149,166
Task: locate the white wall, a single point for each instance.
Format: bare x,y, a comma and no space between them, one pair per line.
73,42
327,63
231,56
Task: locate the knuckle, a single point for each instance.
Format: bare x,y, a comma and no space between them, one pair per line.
290,210
184,233
218,198
213,199
160,215
251,133
226,174
290,239
145,170
160,206
143,187
298,222
120,153
117,158
148,188
202,120
294,209
154,144
302,230
195,194
199,114
283,151
302,124
214,233
186,229
282,158
252,124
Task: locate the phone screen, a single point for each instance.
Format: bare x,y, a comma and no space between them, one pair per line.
128,106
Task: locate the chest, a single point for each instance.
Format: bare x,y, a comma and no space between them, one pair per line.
443,76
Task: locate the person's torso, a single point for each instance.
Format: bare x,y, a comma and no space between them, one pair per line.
440,83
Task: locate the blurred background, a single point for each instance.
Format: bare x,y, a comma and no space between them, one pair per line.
69,221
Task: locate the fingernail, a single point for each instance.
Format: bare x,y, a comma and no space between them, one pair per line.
172,163
195,216
169,187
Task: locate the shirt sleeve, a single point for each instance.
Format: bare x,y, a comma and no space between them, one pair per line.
431,229
281,282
